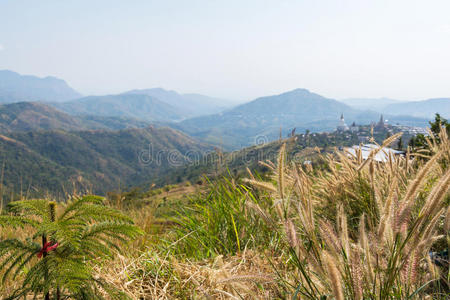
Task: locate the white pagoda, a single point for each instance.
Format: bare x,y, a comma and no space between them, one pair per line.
342,126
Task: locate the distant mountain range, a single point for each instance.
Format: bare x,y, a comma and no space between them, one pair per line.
17,88
98,161
263,118
423,109
235,128
191,105
376,104
146,104
149,105
143,107
209,119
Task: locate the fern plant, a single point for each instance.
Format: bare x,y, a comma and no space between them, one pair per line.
65,243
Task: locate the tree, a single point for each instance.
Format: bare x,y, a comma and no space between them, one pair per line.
64,245
419,141
439,122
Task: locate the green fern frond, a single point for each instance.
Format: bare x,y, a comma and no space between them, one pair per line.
86,232
35,207
12,254
15,221
75,204
98,213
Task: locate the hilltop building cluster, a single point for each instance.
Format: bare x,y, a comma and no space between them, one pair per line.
364,132
382,126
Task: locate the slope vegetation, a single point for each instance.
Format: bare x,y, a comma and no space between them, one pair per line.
26,116
142,107
32,116
98,161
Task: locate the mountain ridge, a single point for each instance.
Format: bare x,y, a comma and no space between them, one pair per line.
267,117
424,108
263,117
377,104
142,107
15,87
191,104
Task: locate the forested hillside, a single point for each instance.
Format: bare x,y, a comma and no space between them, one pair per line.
32,116
98,161
27,116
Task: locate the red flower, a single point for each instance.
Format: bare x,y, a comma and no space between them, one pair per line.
47,248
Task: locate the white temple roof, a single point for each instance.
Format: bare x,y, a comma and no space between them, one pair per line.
366,149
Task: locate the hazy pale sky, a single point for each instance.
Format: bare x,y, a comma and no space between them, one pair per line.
234,49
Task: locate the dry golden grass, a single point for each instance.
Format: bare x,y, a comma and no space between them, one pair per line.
397,223
385,253
150,276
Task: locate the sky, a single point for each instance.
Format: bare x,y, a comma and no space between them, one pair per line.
234,49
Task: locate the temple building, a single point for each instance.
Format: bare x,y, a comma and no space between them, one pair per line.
354,128
342,126
381,124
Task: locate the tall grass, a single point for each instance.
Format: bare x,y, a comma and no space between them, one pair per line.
358,229
221,222
362,229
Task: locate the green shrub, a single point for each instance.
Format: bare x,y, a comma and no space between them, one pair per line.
63,246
